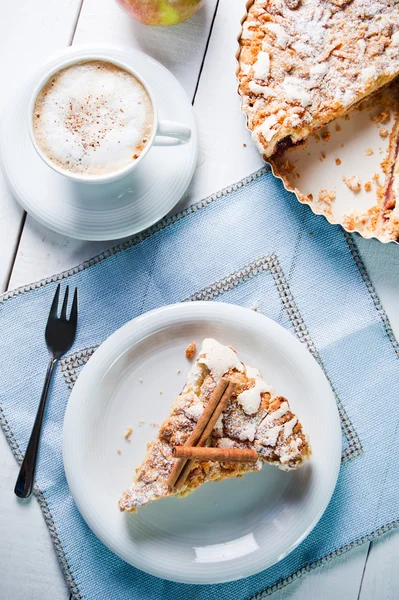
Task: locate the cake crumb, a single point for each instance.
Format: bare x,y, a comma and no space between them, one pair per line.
191,350
326,136
376,177
317,137
140,380
326,198
154,424
323,155
244,145
338,161
384,133
383,117
161,393
178,371
367,186
140,422
338,128
119,451
310,197
347,117
353,183
369,151
128,433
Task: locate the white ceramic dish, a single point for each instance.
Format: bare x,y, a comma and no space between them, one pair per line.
104,211
223,531
349,141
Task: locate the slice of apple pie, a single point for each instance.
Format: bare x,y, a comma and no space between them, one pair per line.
303,63
254,418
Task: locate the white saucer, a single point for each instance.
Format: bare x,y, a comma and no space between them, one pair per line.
107,211
225,530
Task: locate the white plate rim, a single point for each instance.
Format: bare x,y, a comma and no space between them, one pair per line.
119,342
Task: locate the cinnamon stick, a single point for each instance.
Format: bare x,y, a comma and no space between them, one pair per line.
243,455
214,400
206,433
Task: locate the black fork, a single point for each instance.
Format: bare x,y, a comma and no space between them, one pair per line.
60,334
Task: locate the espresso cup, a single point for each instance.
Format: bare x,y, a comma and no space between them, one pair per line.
161,133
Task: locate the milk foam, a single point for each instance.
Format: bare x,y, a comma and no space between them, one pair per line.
93,118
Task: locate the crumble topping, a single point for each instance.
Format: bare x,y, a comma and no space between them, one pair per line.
254,418
128,433
191,350
353,183
302,64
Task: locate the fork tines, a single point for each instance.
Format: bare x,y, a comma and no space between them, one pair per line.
54,306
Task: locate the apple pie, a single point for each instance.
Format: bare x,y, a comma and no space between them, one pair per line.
303,63
254,418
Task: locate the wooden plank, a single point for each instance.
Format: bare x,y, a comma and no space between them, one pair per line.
29,32
180,48
339,579
381,577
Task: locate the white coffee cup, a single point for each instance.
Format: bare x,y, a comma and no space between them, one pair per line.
164,133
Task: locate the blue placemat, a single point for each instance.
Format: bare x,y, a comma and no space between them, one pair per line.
252,244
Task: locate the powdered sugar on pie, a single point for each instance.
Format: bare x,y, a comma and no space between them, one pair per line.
303,63
254,418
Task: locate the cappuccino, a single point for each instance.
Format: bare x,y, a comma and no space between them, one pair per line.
93,118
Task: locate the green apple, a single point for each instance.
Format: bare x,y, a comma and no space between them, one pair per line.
161,12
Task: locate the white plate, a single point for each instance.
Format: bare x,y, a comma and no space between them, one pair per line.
225,530
106,211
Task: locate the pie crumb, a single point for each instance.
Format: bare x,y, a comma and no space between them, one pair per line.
310,196
154,424
367,186
376,177
369,151
128,433
383,117
244,145
119,451
353,183
191,350
338,161
338,128
384,133
326,136
326,198
141,422
178,371
141,381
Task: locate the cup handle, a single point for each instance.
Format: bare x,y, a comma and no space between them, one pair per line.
170,133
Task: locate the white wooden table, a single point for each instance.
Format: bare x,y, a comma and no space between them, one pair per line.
201,54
